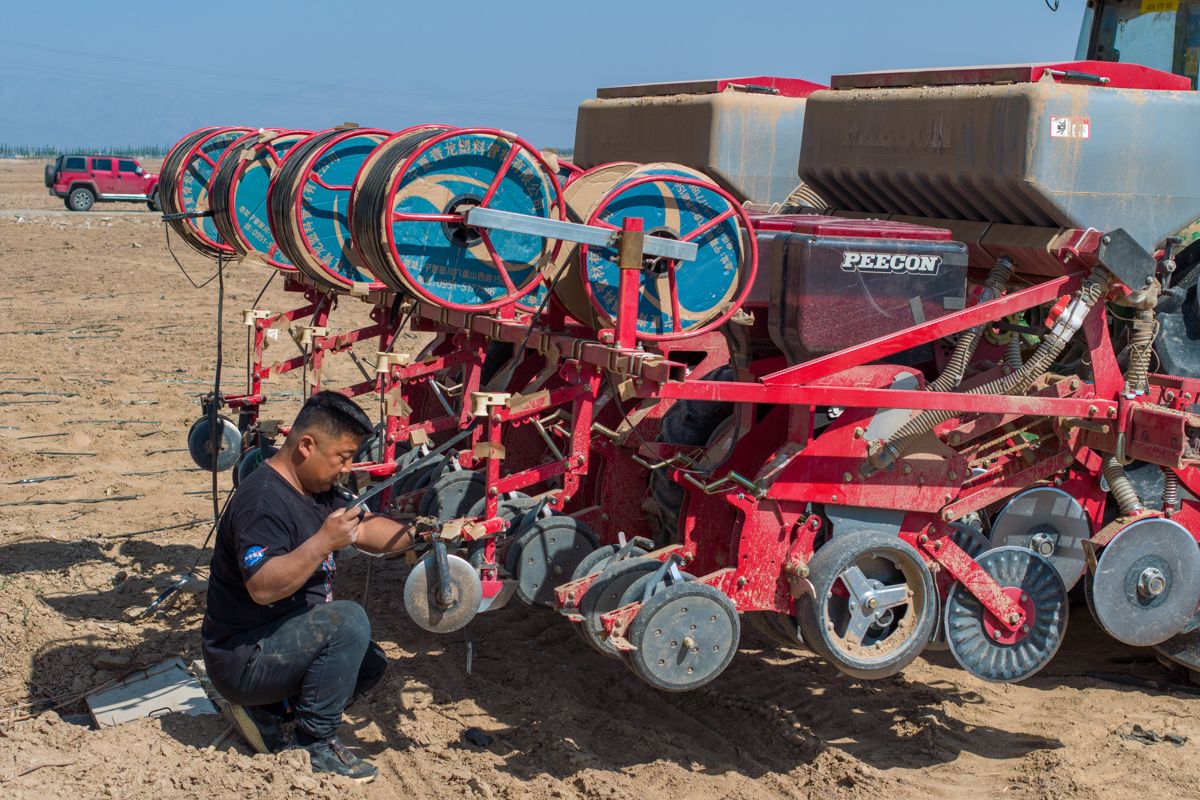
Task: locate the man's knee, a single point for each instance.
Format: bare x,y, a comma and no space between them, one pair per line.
347,621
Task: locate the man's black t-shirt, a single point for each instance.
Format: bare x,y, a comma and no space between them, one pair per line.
267,517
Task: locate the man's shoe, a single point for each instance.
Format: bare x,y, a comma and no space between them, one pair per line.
330,755
262,729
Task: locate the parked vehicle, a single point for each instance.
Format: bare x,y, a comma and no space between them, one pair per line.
84,180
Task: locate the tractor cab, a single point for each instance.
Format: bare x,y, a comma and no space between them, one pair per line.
1163,34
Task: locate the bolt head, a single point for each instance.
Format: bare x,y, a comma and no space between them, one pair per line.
847,477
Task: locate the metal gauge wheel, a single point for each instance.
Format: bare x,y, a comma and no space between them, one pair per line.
605,595
452,495
875,604
1147,582
1049,521
548,551
228,444
685,635
987,649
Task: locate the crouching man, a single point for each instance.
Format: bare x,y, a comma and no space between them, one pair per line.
276,643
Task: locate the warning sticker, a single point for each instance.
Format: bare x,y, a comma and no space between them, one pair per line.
1070,128
1155,6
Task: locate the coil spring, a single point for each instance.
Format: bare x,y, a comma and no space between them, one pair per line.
1121,487
1141,347
1170,493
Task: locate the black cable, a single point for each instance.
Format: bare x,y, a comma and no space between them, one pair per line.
167,236
263,290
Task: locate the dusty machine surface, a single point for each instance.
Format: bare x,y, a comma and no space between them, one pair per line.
1014,145
742,132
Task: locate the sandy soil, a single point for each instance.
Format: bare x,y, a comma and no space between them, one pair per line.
104,347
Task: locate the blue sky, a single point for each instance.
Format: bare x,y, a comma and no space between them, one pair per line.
141,72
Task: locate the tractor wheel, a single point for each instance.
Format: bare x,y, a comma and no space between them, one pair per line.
691,422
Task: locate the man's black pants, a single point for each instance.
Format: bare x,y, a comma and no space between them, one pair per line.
319,659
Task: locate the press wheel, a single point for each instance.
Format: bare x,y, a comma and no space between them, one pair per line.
605,595
684,636
875,604
452,495
972,541
549,550
987,649
1184,647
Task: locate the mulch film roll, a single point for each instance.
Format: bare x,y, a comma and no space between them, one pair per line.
310,206
675,298
239,193
184,183
410,202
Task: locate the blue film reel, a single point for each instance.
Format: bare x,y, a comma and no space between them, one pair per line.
449,262
698,291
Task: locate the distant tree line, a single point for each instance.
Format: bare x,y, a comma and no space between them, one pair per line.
51,151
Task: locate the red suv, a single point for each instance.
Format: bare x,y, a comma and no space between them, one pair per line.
82,181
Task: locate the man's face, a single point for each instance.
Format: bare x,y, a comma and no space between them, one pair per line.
325,458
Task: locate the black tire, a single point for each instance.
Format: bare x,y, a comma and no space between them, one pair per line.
822,616
81,198
50,171
152,203
689,422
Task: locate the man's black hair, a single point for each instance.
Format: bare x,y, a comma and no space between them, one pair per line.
334,414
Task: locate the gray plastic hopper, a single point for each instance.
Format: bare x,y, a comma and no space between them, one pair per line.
1035,152
742,132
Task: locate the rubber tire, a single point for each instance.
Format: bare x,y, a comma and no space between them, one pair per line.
49,175
627,570
81,198
689,422
829,562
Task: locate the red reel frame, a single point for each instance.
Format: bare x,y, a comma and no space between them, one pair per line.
516,144
735,209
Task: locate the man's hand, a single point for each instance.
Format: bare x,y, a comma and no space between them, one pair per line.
340,529
282,576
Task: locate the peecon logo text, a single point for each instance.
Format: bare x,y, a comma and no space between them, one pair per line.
889,264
